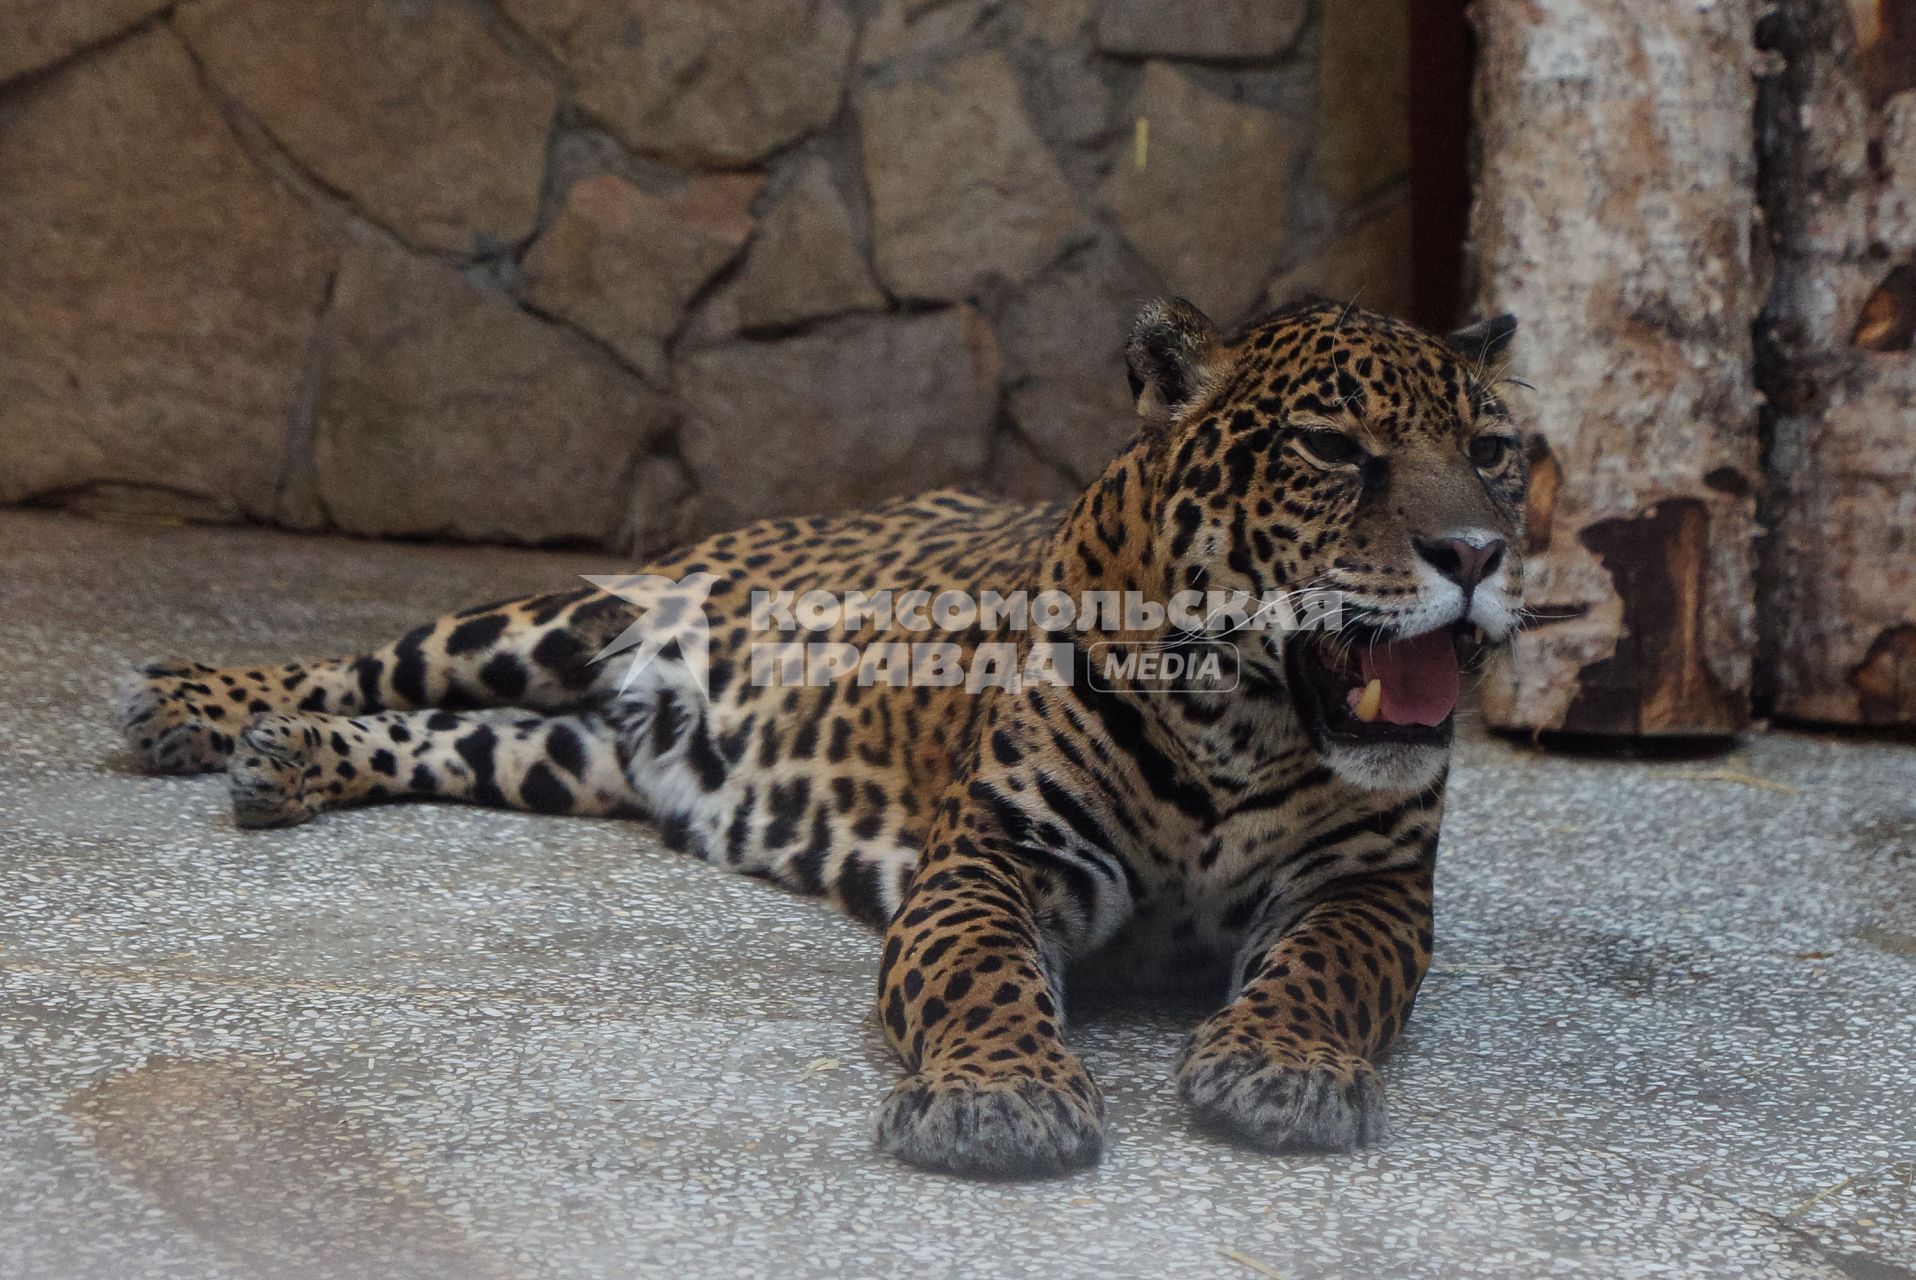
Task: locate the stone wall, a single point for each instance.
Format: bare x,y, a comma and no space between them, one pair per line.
608,273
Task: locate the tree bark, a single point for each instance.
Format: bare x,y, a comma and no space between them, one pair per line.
1837,128
1615,199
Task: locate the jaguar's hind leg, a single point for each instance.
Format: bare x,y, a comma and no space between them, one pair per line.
177,716
184,717
287,768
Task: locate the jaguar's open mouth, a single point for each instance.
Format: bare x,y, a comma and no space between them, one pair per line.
1364,686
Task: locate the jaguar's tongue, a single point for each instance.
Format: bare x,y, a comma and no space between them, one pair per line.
1418,677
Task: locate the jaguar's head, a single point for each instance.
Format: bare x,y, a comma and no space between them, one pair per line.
1358,462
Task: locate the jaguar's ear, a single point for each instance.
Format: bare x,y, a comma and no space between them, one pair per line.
1174,355
1486,340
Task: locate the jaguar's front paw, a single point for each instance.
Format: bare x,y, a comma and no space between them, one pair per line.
271,775
169,724
1006,1126
1281,1098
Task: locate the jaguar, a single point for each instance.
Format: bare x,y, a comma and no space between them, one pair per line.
1271,827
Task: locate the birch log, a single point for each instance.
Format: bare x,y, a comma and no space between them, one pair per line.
1838,135
1613,217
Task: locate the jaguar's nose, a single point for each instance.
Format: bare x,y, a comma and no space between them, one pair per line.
1462,560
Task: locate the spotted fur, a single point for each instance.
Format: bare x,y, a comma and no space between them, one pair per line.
1001,836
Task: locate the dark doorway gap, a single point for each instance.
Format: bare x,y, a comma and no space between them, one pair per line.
1442,57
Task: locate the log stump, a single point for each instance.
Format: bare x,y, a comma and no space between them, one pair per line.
1837,134
1616,188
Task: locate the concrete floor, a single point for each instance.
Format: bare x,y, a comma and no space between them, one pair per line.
1671,1028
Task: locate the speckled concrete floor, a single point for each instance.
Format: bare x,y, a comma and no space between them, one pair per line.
1671,1028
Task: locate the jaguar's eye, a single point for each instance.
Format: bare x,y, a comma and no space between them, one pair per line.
1487,453
1327,448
